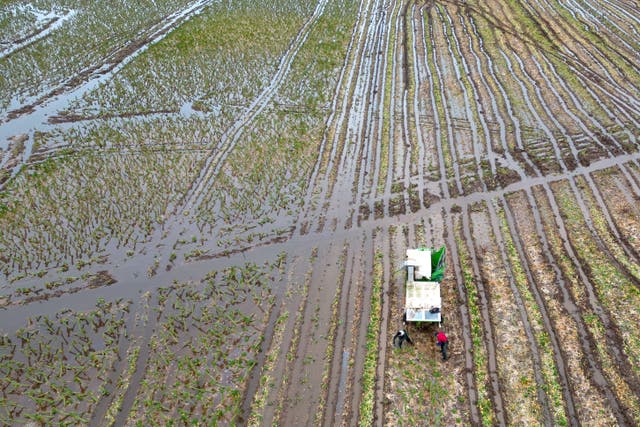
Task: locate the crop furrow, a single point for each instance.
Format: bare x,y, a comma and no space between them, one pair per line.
592,23
487,326
558,284
510,115
450,165
366,320
545,335
342,368
473,104
231,137
297,303
333,141
597,47
364,158
472,348
386,319
527,312
593,302
261,397
576,160
315,347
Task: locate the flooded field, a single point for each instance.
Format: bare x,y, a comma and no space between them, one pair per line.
205,207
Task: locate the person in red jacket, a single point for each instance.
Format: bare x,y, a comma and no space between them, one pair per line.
443,343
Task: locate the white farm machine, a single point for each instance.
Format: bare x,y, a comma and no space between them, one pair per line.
425,269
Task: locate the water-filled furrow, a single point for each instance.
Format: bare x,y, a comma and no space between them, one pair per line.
583,58
357,155
544,105
470,108
457,112
56,22
418,79
319,175
338,373
549,329
367,179
444,186
588,48
596,123
407,156
384,114
534,111
231,137
444,105
576,191
510,116
479,74
487,326
569,94
627,9
543,398
593,301
336,189
317,333
592,23
392,148
404,147
58,98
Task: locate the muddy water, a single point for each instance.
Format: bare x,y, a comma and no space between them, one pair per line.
28,118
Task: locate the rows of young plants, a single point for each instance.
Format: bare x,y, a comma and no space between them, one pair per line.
138,169
105,365
221,59
56,370
96,31
204,347
264,179
66,211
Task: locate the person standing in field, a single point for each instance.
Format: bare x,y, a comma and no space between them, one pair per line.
401,336
443,343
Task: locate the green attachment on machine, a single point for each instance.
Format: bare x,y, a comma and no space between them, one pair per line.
437,262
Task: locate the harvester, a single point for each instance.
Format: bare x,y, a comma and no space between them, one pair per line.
425,269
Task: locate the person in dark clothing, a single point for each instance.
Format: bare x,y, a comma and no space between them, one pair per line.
401,336
443,343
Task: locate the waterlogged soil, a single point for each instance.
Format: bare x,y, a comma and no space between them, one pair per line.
235,256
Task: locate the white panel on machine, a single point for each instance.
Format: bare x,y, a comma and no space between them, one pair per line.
421,260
